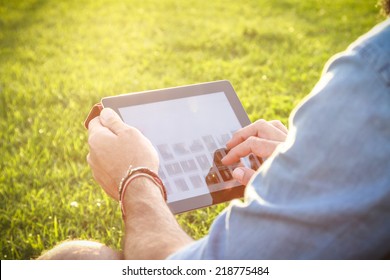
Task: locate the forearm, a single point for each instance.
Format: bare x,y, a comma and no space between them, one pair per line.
151,230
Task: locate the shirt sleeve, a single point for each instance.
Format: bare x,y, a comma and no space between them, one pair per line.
325,192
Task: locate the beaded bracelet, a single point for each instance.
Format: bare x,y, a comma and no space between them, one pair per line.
134,173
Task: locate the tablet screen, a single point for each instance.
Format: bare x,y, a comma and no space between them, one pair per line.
189,132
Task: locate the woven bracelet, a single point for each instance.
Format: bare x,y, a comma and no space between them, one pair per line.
136,173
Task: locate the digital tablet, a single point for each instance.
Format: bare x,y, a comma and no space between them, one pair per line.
189,126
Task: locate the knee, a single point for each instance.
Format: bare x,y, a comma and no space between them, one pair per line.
81,250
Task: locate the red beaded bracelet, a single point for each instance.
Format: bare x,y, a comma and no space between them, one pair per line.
133,173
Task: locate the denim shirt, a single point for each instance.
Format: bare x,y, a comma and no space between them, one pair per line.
325,192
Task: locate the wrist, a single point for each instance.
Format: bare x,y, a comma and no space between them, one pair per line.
141,195
142,188
134,173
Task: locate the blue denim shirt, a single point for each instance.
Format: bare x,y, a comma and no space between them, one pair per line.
325,193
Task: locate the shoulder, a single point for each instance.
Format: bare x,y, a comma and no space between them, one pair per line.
371,50
378,35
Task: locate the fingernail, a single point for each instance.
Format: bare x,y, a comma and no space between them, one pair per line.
228,144
107,114
238,174
223,160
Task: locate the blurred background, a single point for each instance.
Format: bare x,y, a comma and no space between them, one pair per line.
58,58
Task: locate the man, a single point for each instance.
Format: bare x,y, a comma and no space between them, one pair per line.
322,194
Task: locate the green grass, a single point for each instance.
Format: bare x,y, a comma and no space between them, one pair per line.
57,58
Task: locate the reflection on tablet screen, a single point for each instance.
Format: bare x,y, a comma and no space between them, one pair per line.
190,135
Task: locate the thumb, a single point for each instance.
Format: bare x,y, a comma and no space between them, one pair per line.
243,175
111,120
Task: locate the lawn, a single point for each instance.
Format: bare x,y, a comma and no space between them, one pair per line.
57,58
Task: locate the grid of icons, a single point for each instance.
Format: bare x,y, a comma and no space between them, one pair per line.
196,165
185,165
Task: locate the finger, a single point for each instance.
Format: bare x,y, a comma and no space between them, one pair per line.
94,124
243,175
260,128
96,131
278,124
97,135
258,146
112,121
102,178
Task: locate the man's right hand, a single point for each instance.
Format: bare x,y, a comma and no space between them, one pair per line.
260,138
